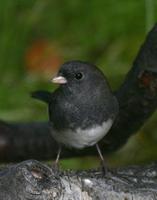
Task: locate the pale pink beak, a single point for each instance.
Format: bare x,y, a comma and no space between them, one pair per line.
59,80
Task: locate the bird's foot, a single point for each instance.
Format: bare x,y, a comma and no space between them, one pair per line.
105,170
55,166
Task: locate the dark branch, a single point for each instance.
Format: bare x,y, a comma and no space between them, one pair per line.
138,94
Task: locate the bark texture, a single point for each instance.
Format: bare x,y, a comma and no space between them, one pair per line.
35,181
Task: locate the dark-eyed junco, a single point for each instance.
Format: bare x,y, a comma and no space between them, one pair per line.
83,108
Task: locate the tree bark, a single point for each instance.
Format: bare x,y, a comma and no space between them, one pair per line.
33,180
137,97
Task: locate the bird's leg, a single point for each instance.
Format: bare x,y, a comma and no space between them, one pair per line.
102,158
58,154
55,164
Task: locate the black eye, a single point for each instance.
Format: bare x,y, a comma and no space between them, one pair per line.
78,76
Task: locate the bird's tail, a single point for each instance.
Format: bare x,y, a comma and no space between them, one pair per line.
42,95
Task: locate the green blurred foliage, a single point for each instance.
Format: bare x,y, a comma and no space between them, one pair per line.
107,33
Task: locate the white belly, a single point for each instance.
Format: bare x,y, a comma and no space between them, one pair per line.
83,138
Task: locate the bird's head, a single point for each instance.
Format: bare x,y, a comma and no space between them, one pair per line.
78,76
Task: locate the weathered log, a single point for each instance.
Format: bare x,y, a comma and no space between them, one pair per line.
33,180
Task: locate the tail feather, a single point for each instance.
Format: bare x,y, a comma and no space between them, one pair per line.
42,95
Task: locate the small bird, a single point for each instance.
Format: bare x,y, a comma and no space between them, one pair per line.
82,109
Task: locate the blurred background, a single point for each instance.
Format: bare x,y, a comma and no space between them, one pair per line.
37,36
